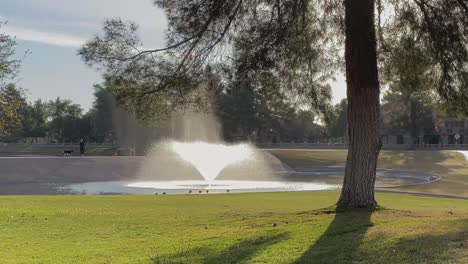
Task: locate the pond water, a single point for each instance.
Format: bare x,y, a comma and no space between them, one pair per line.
316,179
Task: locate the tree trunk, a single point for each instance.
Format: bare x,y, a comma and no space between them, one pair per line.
363,106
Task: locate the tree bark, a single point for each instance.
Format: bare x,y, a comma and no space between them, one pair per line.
363,106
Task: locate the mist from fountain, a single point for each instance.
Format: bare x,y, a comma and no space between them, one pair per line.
196,149
211,158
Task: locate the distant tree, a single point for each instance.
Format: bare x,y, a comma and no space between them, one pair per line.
338,121
299,127
248,108
414,114
88,128
12,105
104,107
63,107
11,99
34,120
409,103
9,66
424,52
239,109
64,123
307,130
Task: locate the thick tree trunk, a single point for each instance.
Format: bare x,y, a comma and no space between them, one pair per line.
363,106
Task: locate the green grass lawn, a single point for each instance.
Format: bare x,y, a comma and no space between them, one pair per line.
296,227
450,165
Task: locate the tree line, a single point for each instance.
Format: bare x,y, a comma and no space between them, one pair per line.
413,113
245,114
241,112
58,120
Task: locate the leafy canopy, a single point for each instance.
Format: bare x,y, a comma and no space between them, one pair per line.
290,46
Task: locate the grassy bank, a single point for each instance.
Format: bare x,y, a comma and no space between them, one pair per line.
450,165
230,228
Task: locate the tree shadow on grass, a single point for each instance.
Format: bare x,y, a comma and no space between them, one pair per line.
447,247
245,249
342,242
239,252
341,239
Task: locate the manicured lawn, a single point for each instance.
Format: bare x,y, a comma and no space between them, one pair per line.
450,165
230,228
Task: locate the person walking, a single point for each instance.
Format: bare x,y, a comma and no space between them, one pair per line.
82,147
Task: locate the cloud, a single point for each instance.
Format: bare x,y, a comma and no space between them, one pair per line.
143,12
46,37
62,21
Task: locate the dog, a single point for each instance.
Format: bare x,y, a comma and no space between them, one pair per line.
67,152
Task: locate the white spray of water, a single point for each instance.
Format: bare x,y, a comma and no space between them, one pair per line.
235,185
209,158
196,149
465,153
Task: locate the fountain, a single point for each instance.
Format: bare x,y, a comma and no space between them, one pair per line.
210,159
195,157
191,157
195,151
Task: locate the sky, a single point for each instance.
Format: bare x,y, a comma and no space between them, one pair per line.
52,31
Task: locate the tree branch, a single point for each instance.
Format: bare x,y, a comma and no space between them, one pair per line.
463,5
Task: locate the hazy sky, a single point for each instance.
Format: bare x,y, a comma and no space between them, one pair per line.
53,30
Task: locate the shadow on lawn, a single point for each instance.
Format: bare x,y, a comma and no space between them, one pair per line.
449,247
239,252
341,243
245,249
341,239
